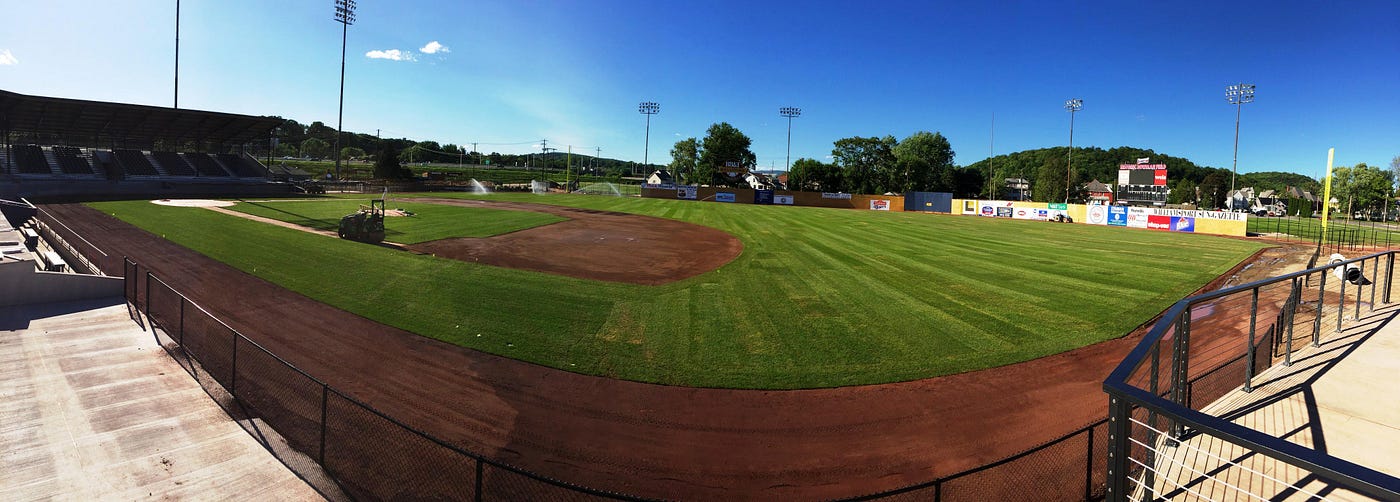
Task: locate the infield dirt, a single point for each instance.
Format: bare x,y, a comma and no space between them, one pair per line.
644,439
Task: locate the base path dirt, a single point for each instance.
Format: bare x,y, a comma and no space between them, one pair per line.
591,244
644,439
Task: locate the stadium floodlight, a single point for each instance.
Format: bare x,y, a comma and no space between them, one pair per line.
345,15
647,108
1073,105
1237,95
790,112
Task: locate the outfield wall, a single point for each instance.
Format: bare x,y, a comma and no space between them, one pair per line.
779,197
1152,218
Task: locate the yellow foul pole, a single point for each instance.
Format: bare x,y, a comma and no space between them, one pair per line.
1327,192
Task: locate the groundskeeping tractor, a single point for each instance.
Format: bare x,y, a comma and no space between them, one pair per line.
365,225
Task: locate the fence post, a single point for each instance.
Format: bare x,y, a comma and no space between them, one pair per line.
1249,344
181,332
1292,306
478,480
1118,431
233,378
1389,274
147,303
1341,297
322,454
1317,321
1375,268
1089,467
1360,267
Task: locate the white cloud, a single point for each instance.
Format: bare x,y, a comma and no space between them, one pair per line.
392,55
433,48
6,58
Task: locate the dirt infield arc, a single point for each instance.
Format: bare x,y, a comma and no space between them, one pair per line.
642,439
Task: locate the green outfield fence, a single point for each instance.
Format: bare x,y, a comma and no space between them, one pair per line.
1341,234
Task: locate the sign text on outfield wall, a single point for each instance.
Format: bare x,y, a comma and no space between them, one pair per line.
785,200
879,205
838,195
724,196
686,192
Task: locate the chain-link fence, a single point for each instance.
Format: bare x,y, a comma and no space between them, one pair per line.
1340,234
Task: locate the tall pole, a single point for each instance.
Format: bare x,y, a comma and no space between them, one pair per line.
1237,95
647,108
177,54
345,15
991,151
1073,105
790,112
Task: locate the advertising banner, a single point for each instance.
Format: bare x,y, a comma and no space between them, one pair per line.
1137,217
969,207
1183,224
1118,216
1004,212
1023,213
1096,214
1209,215
986,208
762,196
686,192
724,196
838,195
660,186
879,205
1159,222
785,200
1159,177
1059,205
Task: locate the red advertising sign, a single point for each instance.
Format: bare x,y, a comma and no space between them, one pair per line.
1142,167
1159,177
1159,222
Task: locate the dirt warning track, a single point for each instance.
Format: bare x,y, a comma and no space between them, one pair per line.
643,439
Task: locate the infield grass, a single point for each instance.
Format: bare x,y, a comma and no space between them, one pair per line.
429,222
819,297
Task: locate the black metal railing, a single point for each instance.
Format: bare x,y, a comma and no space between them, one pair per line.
365,454
1202,349
1340,234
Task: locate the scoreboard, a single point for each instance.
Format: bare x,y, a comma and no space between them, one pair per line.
1142,183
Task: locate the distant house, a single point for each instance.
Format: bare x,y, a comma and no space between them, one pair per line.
661,177
1099,193
1016,189
760,181
1239,200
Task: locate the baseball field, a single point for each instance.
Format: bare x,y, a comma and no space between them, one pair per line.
802,298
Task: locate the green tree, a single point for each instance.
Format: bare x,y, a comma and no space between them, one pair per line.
867,164
352,152
684,156
387,165
1360,187
1183,192
1049,180
1214,189
722,143
285,150
811,174
315,148
924,162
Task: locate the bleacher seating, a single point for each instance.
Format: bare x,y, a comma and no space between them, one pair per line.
240,166
30,159
173,163
71,161
205,164
135,163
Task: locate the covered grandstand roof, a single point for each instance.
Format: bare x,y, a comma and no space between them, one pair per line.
78,120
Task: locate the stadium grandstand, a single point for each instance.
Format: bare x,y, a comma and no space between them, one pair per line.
72,148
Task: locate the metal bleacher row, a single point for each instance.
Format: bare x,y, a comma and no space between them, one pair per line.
71,161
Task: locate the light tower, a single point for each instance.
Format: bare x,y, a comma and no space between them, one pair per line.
1073,105
790,112
647,108
345,15
1237,95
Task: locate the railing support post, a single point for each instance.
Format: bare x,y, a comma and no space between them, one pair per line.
233,369
1292,306
1375,269
1089,466
180,332
1341,297
324,395
1118,433
1317,322
1389,274
1360,267
479,477
147,304
1249,344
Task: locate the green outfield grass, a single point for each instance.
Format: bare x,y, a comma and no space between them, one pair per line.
819,297
429,222
1339,231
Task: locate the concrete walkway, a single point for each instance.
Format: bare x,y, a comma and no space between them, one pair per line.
1340,398
91,408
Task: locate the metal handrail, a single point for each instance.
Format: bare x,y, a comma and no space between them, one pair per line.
1123,395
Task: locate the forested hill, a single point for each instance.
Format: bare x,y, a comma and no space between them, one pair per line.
1045,168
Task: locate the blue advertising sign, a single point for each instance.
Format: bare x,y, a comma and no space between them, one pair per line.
762,196
1118,216
1183,224
724,196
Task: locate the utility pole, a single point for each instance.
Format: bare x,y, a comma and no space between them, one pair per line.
647,108
345,15
177,54
790,112
1073,105
1237,95
478,154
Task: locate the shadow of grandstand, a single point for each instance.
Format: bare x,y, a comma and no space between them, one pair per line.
17,317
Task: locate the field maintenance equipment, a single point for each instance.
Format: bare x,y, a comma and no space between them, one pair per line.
365,225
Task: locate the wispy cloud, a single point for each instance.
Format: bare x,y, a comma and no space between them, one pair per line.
6,58
434,48
392,55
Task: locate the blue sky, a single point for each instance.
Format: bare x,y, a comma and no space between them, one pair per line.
508,73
